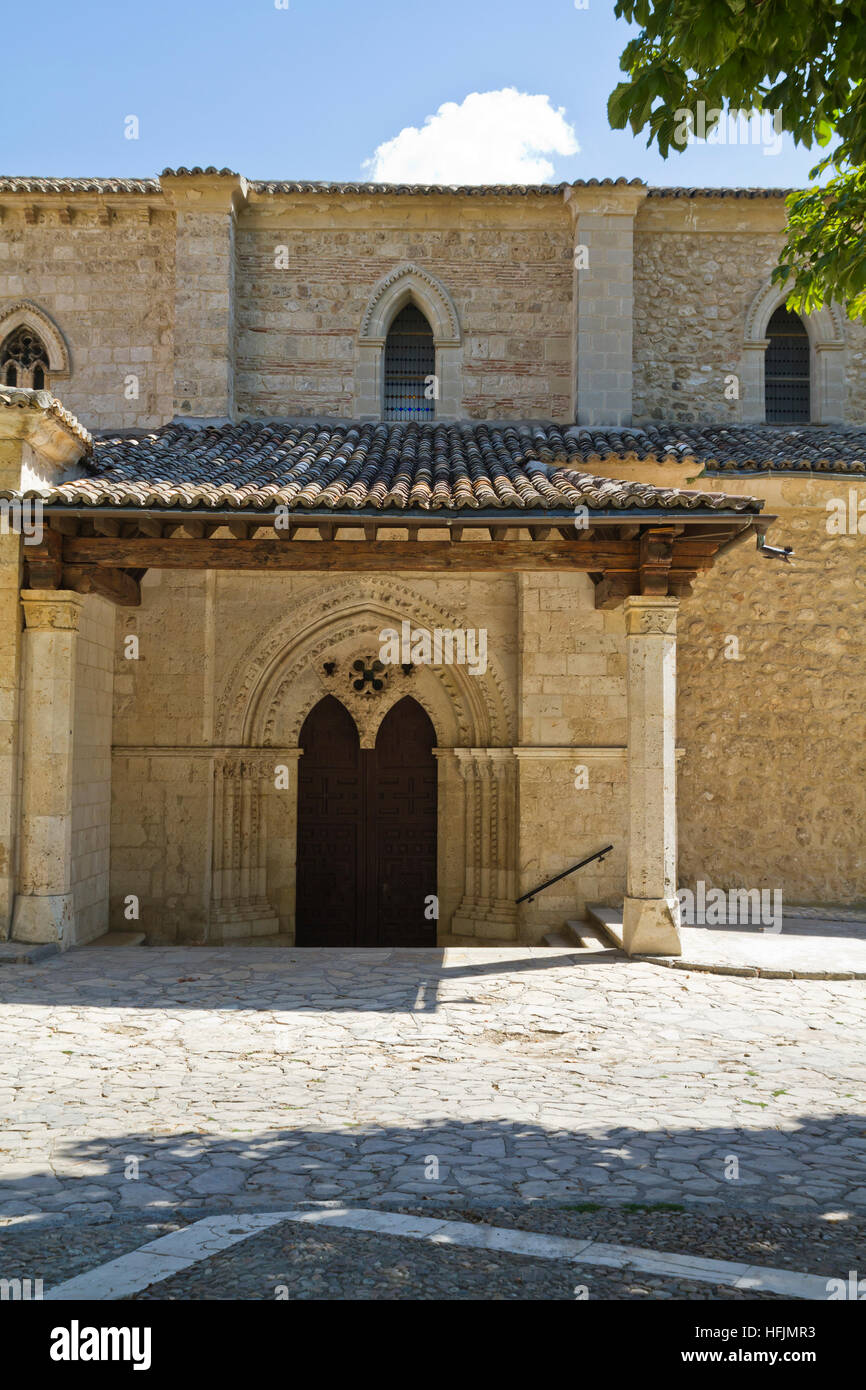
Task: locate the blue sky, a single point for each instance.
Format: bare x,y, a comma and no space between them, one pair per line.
313,91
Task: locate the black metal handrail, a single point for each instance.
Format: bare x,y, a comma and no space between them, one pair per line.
599,855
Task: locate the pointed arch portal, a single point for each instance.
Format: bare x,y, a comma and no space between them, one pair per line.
366,830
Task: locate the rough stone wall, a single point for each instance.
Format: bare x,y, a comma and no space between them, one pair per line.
771,784
91,768
692,293
693,286
106,278
506,263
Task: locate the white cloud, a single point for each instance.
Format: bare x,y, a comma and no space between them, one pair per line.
491,137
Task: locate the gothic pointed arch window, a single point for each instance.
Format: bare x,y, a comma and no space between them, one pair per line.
410,366
24,359
787,376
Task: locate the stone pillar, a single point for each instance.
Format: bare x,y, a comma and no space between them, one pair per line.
43,907
651,916
603,297
38,440
206,207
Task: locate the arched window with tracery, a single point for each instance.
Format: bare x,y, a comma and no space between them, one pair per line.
410,366
787,385
24,359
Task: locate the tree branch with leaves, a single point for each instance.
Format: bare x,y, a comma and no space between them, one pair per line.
805,58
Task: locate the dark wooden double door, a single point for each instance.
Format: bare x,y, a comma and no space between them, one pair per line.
366,860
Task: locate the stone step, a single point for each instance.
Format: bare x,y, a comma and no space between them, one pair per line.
607,920
117,938
560,939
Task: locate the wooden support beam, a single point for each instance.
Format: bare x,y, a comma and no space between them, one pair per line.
45,561
610,590
148,526
351,556
106,525
656,558
113,584
65,525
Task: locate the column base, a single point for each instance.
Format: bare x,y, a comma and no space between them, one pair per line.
650,927
43,919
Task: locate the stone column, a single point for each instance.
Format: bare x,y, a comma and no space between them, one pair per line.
43,907
603,219
651,915
38,440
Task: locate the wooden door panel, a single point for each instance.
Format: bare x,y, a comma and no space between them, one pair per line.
366,858
331,819
402,854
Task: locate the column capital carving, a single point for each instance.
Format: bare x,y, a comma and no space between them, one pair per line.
52,610
651,615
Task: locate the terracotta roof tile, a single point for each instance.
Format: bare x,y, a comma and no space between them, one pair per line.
347,466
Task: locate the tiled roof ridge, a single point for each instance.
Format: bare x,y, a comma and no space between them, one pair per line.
34,183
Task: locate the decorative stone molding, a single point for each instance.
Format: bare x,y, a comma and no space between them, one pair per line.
239,905
649,613
367,706
488,908
51,611
409,283
276,681
23,312
826,330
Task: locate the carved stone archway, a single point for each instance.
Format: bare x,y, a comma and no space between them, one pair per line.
826,330
22,312
284,673
409,284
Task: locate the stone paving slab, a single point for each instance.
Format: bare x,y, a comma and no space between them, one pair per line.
162,1081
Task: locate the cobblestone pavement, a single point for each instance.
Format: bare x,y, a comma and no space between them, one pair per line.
151,1082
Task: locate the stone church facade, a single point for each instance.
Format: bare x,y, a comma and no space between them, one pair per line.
268,423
